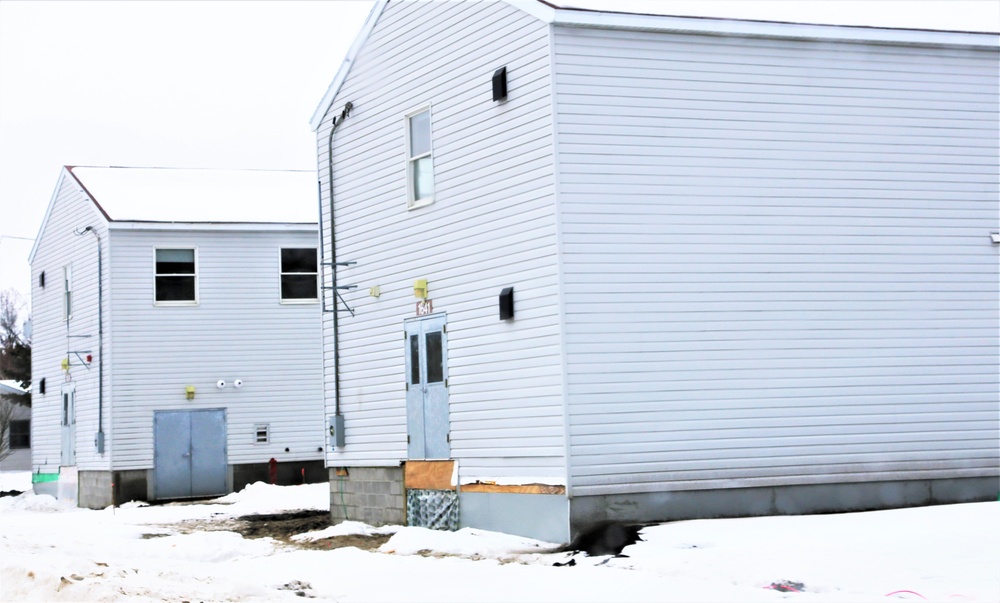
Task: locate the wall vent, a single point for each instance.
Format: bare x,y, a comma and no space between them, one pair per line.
500,84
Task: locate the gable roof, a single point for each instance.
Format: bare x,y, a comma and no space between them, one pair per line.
601,14
10,387
129,197
126,194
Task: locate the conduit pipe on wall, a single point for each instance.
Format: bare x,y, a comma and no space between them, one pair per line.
333,253
99,440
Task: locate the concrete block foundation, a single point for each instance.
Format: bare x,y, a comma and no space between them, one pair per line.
373,495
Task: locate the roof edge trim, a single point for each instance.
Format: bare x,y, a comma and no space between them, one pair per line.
345,67
66,171
770,29
215,226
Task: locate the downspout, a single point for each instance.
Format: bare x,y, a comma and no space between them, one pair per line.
333,255
99,439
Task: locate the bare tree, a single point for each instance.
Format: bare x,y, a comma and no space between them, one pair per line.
6,416
15,348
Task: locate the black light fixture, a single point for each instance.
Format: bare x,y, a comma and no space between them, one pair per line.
41,279
500,84
507,303
41,386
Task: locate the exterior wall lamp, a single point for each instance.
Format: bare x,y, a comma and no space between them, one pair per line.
420,288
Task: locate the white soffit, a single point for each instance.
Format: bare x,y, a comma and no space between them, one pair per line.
202,195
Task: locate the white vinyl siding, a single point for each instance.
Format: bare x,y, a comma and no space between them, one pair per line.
492,225
776,260
238,330
54,338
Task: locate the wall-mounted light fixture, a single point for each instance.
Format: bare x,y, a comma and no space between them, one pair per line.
189,392
375,291
420,288
41,279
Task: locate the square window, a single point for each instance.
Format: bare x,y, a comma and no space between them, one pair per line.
299,275
20,434
176,276
419,163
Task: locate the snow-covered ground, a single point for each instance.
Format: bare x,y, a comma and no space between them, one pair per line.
52,553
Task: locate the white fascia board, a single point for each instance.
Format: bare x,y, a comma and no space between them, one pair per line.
345,67
746,28
216,226
63,174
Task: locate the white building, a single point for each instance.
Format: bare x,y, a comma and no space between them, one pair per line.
175,346
17,439
666,267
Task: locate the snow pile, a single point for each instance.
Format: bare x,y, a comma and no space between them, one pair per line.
155,553
261,498
345,528
29,502
19,481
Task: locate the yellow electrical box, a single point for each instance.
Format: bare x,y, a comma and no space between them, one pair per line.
420,288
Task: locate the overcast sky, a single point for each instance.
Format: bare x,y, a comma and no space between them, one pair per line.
232,84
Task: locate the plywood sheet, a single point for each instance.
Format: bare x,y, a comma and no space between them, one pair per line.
429,475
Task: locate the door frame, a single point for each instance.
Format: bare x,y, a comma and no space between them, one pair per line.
428,416
67,424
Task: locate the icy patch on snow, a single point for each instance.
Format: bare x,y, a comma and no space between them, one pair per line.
346,528
467,542
209,547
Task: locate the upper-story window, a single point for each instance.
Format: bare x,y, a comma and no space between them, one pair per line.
299,275
67,292
176,276
419,163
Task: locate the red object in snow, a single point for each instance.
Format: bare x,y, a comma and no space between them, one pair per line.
272,471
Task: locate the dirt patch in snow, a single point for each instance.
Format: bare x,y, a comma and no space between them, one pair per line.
282,526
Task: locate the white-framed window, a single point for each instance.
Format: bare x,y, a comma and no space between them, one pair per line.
299,275
261,433
67,292
176,273
419,159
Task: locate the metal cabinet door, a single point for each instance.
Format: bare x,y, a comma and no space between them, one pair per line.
189,453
